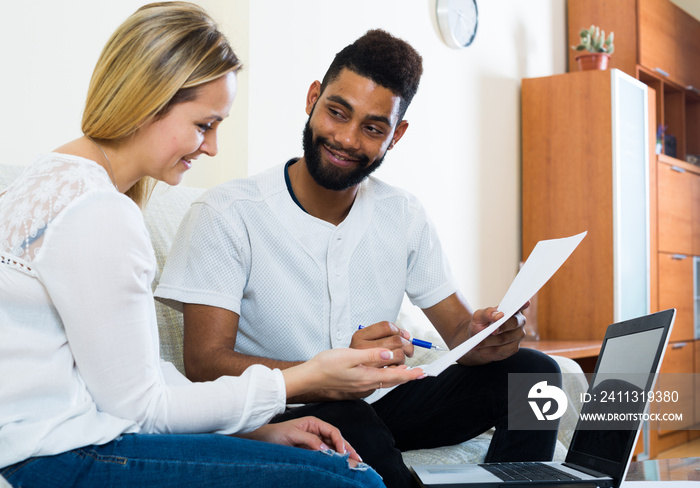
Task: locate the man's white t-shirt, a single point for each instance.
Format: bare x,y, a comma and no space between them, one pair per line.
299,284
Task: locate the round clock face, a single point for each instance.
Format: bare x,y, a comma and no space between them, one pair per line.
457,20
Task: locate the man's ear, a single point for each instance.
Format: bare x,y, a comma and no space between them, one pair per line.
398,133
312,96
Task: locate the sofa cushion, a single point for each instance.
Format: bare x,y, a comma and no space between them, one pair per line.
163,214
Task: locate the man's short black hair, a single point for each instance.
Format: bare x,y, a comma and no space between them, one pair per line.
387,60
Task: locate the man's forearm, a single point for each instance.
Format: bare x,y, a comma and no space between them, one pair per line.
226,362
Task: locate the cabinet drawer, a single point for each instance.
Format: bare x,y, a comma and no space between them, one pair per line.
658,37
676,291
678,210
688,49
679,358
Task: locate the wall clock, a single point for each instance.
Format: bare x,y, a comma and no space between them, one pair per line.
457,21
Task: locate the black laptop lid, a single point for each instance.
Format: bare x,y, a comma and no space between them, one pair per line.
629,359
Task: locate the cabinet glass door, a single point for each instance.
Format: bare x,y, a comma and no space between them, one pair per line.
630,196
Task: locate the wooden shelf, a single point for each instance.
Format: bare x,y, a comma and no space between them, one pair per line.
693,168
585,353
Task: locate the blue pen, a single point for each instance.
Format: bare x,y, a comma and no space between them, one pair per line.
417,342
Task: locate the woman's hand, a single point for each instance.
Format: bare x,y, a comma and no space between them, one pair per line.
348,371
306,432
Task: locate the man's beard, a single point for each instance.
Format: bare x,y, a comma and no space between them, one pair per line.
329,176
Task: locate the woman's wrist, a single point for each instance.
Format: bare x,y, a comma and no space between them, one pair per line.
300,379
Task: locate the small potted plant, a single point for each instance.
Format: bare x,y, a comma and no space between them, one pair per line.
598,46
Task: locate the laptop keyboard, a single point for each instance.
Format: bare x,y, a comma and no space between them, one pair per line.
527,471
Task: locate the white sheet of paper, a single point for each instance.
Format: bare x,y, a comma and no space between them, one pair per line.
544,260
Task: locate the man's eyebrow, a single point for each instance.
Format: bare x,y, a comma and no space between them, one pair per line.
340,100
380,118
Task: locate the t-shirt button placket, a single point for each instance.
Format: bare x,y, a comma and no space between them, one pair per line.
338,269
337,288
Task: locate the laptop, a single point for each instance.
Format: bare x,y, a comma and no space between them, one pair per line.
629,361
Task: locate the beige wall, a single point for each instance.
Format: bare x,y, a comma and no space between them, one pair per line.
461,154
48,49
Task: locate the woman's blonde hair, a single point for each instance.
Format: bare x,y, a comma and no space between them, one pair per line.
154,60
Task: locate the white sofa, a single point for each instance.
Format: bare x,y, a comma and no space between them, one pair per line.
163,215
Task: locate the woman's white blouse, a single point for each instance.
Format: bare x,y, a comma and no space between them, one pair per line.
79,353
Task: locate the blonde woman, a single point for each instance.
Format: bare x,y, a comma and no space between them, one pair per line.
84,397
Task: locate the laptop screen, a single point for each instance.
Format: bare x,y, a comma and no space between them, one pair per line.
627,356
627,364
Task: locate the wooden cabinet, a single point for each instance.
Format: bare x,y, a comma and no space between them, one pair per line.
658,43
586,146
646,34
638,254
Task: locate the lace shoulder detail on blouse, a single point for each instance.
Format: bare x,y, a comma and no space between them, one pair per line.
39,195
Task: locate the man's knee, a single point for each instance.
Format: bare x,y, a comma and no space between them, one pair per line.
532,361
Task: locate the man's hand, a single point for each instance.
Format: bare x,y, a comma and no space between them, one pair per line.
456,323
502,343
306,432
387,335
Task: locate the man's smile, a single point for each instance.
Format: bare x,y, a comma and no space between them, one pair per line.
340,158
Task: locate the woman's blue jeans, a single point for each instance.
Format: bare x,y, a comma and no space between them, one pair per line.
209,460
